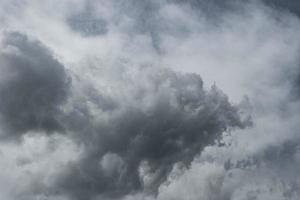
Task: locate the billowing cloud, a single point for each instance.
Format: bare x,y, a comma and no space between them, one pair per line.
171,119
130,138
33,86
153,100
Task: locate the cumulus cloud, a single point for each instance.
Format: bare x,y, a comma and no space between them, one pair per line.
146,100
151,119
166,119
33,86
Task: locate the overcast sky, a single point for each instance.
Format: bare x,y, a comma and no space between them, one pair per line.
149,100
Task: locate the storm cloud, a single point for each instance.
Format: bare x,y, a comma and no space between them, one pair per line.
135,149
130,138
33,86
153,100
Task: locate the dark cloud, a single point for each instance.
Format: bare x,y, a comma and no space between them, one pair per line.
33,86
230,5
87,25
136,147
295,90
182,119
131,137
288,5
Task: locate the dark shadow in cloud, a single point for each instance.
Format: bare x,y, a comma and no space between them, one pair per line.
296,87
290,5
33,84
137,143
87,23
215,9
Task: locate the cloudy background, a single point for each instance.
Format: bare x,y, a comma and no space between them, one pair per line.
149,100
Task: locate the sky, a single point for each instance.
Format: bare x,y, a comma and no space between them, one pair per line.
149,100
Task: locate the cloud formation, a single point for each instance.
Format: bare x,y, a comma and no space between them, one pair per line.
146,100
163,120
33,86
172,119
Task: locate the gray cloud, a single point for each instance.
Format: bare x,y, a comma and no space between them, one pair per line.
183,118
172,120
129,126
87,22
33,86
289,5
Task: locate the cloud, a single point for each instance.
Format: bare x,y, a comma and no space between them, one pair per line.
145,120
152,111
289,5
33,86
87,23
169,118
29,167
